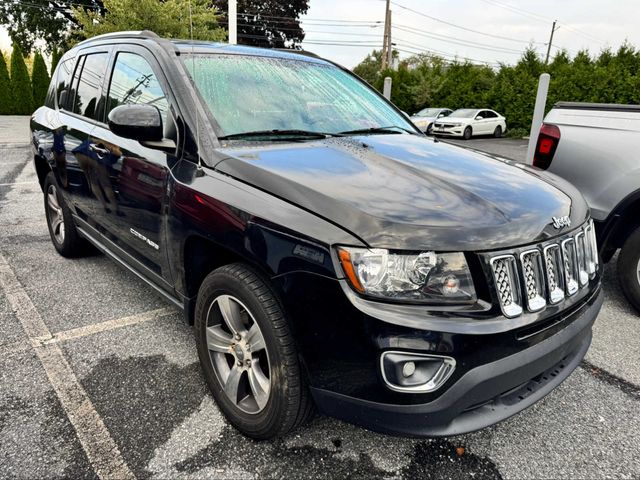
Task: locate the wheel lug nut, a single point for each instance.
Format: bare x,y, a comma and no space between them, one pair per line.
238,336
239,363
248,362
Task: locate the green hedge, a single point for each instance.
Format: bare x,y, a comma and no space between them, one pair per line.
21,93
5,87
424,81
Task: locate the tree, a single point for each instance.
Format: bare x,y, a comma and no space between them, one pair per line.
5,87
268,23
39,80
21,94
56,55
169,18
48,20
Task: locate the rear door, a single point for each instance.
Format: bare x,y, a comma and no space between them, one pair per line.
138,175
81,108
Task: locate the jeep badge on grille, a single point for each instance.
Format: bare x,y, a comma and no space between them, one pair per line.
559,222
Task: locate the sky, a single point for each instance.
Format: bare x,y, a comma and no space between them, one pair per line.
582,24
502,28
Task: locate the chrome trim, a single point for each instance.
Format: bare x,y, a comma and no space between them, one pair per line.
439,378
538,302
514,308
580,242
557,294
570,283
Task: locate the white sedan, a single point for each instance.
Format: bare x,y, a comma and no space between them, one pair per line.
424,118
467,122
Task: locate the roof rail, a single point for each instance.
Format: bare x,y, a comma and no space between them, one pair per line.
125,34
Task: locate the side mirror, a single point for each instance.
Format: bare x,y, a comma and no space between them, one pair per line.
138,122
442,114
478,117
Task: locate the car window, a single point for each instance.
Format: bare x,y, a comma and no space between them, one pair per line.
490,114
250,93
134,82
63,80
87,100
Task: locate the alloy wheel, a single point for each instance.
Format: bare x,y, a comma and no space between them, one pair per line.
55,214
238,354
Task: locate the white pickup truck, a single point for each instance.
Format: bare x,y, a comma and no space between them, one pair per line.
597,148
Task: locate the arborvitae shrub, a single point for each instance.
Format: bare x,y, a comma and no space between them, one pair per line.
21,93
39,80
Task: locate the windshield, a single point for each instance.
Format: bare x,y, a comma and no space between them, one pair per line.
252,94
464,113
428,112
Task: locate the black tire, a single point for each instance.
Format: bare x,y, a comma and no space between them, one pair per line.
629,269
497,132
467,133
429,129
64,235
289,403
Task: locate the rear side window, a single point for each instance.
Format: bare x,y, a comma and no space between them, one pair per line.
490,114
87,101
63,81
133,82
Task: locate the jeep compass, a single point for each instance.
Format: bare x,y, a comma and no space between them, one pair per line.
329,255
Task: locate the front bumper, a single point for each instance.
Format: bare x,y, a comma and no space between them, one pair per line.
484,395
450,131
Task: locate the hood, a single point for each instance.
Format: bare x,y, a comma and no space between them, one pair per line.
462,120
409,192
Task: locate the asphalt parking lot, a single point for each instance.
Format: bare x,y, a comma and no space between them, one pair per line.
99,377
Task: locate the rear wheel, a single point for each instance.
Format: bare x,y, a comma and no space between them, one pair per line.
629,269
248,354
63,232
467,133
497,132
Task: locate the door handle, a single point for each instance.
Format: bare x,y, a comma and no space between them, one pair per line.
99,149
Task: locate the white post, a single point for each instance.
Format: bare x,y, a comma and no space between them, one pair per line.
233,22
386,89
538,115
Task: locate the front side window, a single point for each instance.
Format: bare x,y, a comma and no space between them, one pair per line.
250,93
133,82
87,100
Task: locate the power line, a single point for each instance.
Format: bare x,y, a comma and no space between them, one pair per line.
437,36
460,26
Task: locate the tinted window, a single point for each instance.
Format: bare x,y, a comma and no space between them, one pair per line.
63,80
490,114
87,99
133,82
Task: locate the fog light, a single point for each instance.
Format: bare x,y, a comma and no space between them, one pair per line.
415,372
408,369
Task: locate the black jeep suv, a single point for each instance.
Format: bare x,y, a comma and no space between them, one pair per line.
328,253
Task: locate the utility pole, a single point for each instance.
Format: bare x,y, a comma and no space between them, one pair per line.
553,29
389,45
233,22
386,43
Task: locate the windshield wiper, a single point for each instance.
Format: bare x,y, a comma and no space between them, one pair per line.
381,130
279,133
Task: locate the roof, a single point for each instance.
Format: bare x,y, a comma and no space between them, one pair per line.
198,46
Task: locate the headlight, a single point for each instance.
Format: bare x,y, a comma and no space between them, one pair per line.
427,277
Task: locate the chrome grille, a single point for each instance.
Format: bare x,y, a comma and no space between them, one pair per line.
549,274
533,275
506,279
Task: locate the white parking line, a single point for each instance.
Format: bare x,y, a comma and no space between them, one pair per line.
101,449
104,326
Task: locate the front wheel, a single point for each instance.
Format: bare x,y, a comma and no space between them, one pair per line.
497,132
248,354
429,130
629,269
467,133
